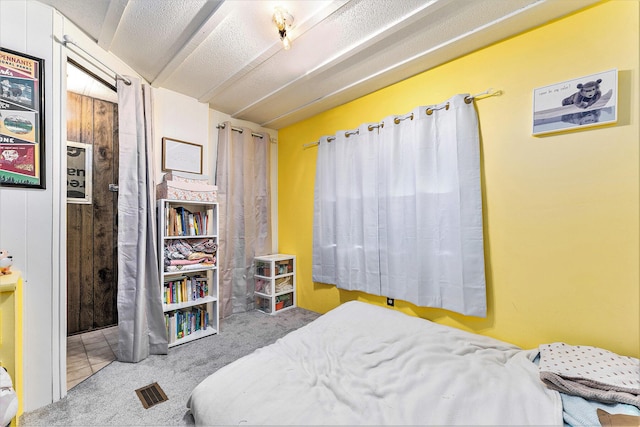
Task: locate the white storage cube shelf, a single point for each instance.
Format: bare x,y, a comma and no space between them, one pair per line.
189,286
275,283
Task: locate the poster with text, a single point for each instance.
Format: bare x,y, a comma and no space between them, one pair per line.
79,168
21,120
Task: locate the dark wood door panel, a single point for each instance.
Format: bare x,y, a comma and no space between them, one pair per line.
104,212
91,228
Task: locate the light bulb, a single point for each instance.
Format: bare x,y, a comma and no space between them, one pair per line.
286,43
279,17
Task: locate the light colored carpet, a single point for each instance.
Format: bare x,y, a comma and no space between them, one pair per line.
109,398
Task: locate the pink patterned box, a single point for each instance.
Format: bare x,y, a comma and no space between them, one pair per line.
186,177
184,190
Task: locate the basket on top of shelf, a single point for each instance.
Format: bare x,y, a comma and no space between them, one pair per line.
186,186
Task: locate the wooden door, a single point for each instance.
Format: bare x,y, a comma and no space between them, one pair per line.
92,275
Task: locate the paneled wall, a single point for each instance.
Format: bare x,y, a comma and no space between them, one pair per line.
29,219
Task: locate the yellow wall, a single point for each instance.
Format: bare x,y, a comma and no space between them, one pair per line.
560,212
11,334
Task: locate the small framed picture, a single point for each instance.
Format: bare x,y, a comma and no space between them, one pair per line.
79,176
576,104
181,156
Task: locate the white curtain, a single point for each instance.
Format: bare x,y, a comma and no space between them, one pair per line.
398,209
141,327
243,180
346,216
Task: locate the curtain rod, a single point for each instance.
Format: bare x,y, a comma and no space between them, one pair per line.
468,99
68,40
222,126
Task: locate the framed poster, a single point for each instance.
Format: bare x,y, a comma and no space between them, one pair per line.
79,170
21,120
181,156
575,104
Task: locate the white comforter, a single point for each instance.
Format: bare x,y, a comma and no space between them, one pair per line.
364,364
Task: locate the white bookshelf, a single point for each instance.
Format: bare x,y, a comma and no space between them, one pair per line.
187,233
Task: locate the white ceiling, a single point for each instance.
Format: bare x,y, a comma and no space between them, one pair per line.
228,53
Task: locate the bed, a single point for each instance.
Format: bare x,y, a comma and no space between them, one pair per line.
362,364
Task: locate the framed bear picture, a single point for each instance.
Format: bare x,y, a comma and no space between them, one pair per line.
576,104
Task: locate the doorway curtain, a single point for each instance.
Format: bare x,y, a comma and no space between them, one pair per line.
398,209
242,177
141,326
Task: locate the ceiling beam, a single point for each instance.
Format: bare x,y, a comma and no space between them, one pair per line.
273,49
111,23
381,34
200,27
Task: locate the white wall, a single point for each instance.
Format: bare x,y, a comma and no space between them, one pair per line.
180,117
29,218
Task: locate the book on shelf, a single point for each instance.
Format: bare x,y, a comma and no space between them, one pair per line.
167,222
202,284
208,221
184,220
201,220
190,227
170,323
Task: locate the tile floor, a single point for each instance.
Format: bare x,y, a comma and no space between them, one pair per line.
89,352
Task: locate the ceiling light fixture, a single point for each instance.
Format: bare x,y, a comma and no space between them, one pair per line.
283,21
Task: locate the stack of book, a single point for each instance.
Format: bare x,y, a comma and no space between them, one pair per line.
182,323
185,288
180,221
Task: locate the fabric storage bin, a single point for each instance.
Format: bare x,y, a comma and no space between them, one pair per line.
190,191
186,177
